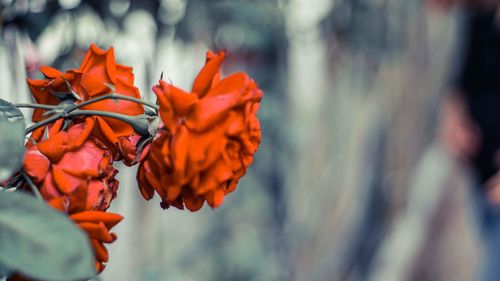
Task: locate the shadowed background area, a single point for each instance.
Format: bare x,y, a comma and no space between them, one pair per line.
349,182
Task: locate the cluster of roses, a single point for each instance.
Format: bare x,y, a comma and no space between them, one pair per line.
202,146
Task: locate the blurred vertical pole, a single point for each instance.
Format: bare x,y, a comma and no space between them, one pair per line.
363,109
431,233
308,84
129,257
332,122
13,87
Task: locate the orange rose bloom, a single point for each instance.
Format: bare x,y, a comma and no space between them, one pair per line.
73,172
90,218
88,82
207,140
71,160
97,224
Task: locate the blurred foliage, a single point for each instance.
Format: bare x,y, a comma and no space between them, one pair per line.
39,242
12,140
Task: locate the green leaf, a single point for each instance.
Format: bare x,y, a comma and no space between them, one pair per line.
11,139
40,242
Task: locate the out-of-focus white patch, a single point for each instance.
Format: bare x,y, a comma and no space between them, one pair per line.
230,35
89,28
69,4
119,7
172,11
36,6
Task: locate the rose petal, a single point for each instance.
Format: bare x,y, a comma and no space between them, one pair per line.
36,165
182,102
215,198
97,231
211,110
99,250
204,79
98,68
50,72
109,219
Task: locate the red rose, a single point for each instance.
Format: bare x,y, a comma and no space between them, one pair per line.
71,160
208,139
91,80
74,174
95,223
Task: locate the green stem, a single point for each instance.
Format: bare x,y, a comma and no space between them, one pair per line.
33,187
43,123
138,124
34,105
114,96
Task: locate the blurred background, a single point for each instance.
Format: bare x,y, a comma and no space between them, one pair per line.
351,181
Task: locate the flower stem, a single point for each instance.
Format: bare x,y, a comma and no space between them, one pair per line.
33,187
140,125
114,96
34,105
43,123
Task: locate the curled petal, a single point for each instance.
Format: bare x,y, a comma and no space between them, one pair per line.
181,101
55,146
100,251
146,189
215,198
65,182
79,133
192,201
59,203
237,82
166,109
106,130
205,77
98,68
125,73
109,219
50,72
211,110
42,95
97,231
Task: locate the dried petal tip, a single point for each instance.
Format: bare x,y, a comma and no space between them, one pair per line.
97,225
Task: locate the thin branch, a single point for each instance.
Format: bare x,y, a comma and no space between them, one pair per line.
15,181
138,124
118,116
33,187
114,96
72,111
43,123
34,105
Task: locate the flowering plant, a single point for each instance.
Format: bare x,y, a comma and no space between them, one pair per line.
191,147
